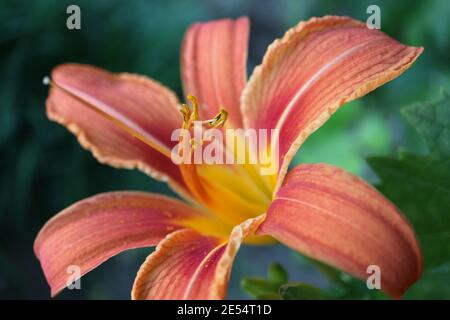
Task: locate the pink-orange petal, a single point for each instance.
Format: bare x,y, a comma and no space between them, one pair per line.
335,217
213,66
94,229
189,265
91,97
313,70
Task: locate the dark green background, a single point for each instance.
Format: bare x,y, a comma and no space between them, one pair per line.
43,169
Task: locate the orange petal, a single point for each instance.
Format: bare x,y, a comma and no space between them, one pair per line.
188,265
336,217
313,70
92,102
91,231
213,65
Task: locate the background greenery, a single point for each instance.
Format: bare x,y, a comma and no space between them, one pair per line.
43,169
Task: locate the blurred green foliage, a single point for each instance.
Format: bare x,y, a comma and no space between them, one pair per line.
266,288
276,286
43,169
420,186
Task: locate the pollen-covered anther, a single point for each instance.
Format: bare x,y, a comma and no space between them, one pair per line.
190,116
219,120
186,113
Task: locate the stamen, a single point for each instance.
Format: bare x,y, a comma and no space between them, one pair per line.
194,102
189,171
189,117
186,112
219,120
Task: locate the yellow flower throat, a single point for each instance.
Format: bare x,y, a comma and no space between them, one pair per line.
231,192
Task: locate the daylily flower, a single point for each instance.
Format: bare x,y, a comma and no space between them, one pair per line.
320,210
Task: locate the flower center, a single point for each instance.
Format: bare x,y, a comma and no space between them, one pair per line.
232,192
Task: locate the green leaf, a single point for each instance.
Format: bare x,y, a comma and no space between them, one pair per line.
342,285
266,289
259,287
432,285
333,275
269,296
276,274
301,291
432,121
420,186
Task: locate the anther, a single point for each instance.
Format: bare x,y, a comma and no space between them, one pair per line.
219,120
189,117
186,113
194,102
